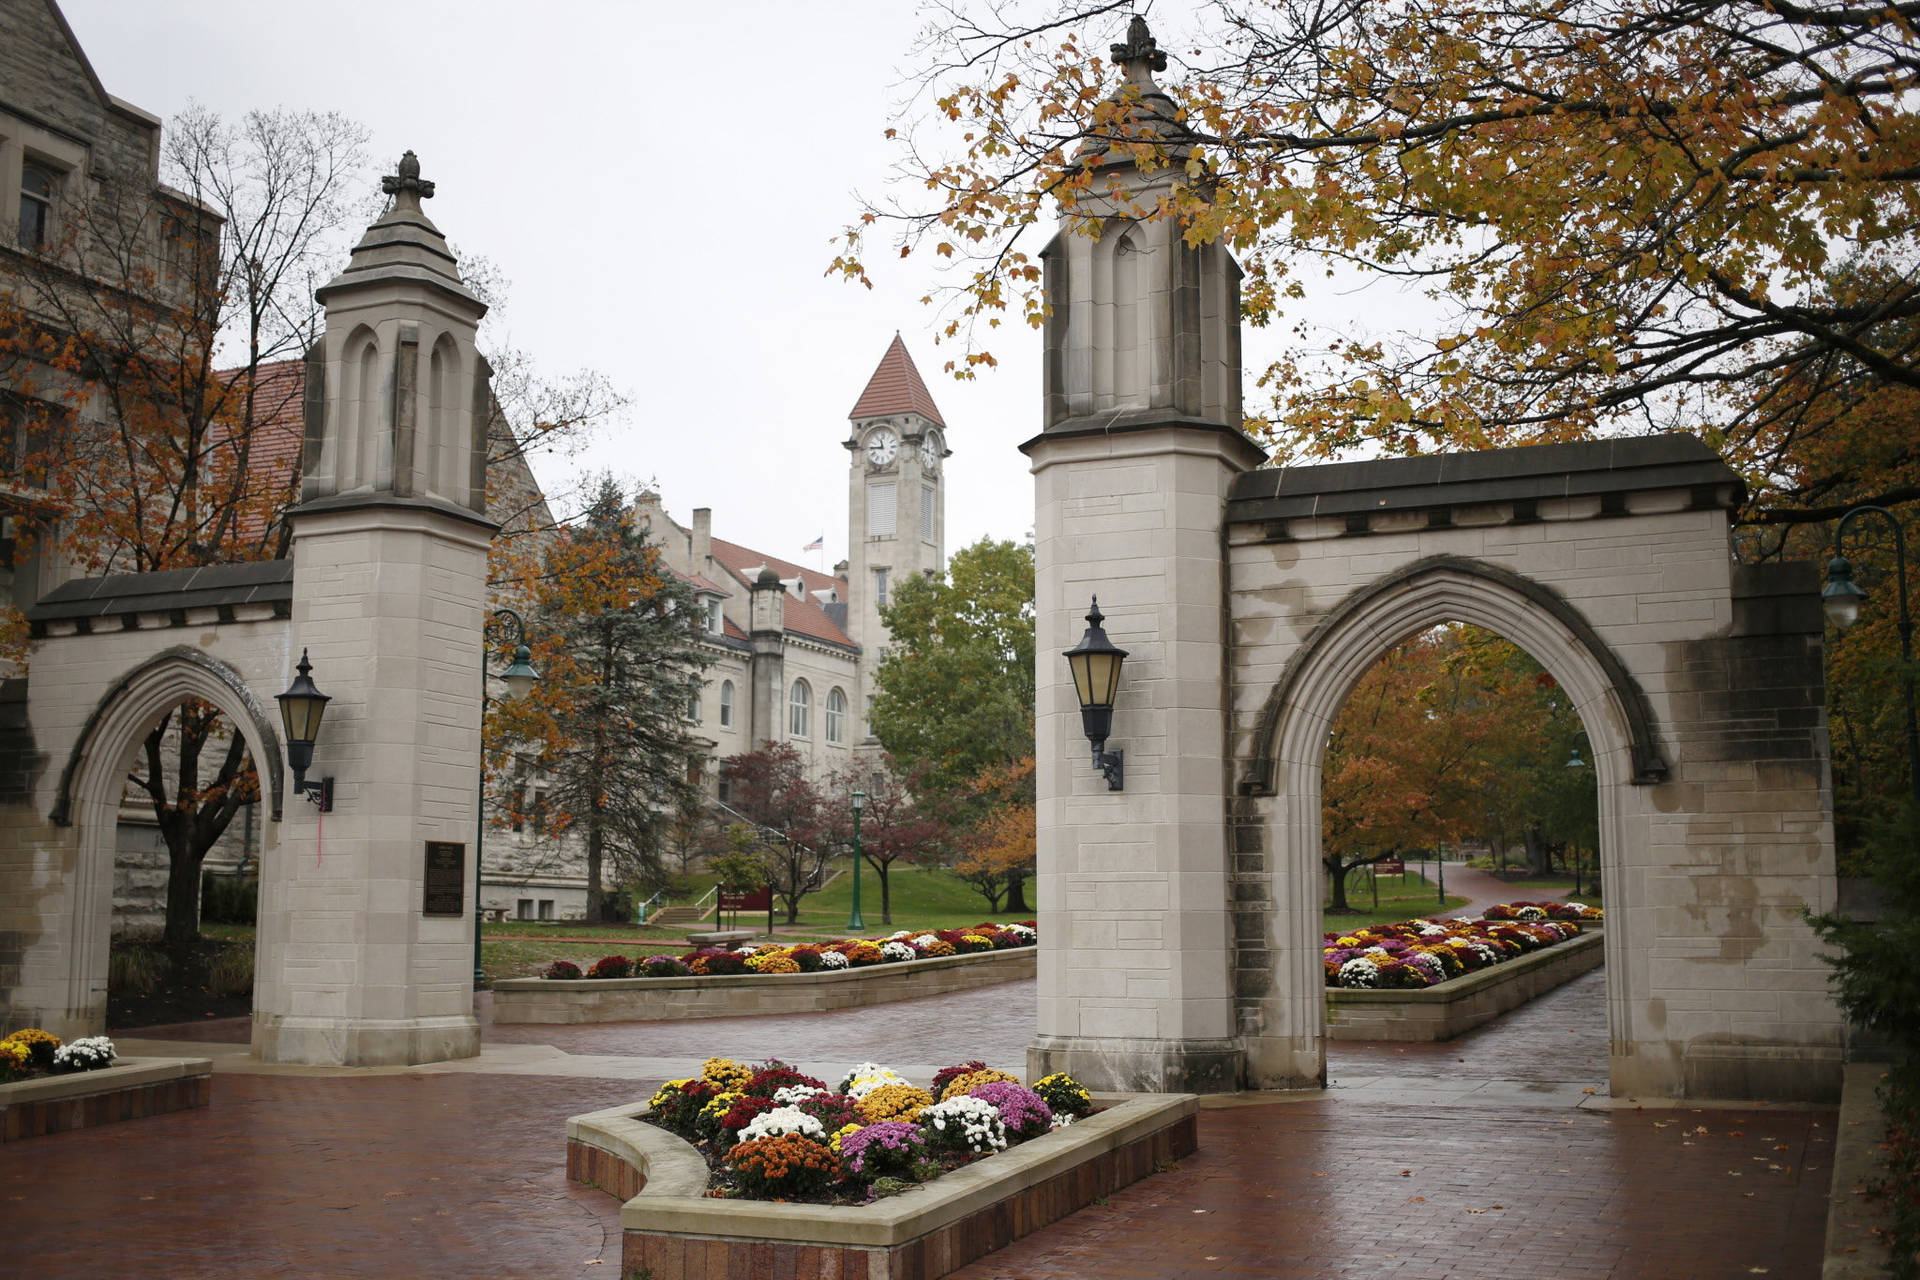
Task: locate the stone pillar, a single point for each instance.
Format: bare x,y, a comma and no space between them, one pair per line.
391,544
1141,444
767,631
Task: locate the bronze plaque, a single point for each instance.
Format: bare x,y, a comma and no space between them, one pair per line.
446,880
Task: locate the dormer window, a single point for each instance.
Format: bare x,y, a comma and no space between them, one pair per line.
716,620
36,206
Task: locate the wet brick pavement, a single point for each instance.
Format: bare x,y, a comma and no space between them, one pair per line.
460,1175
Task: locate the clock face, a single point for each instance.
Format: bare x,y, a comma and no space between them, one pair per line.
882,445
930,451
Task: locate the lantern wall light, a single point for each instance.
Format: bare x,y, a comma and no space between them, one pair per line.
302,707
1095,664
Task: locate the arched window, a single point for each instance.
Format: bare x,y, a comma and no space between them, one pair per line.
800,710
693,704
726,704
836,717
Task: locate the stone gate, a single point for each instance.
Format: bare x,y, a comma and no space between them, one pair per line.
1180,918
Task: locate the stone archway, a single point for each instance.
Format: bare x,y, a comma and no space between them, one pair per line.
1280,784
92,786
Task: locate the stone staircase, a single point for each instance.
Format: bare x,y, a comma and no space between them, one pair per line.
680,915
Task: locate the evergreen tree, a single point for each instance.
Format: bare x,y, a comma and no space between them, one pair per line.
617,641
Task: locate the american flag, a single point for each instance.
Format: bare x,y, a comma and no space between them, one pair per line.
817,544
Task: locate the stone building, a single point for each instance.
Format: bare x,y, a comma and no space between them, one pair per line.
794,649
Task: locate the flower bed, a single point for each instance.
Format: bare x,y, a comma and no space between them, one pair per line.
1415,954
1544,911
770,978
1448,1009
50,1087
901,1197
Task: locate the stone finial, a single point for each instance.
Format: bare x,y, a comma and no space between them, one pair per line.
409,185
1140,56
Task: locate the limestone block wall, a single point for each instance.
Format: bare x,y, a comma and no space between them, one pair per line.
1132,885
1698,681
92,694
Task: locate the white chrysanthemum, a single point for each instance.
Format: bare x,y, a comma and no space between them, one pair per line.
832,960
925,940
863,1070
895,951
790,1094
858,1089
1020,930
899,934
974,1120
88,1053
1358,972
746,949
782,1121
1432,930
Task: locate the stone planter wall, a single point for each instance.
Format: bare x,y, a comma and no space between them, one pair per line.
544,1000
672,1232
129,1090
1445,1011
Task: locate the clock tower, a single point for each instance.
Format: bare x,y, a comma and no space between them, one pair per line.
896,499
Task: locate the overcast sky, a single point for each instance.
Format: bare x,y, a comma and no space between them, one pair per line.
660,184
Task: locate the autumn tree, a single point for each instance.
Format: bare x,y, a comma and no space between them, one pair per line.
955,687
768,789
1417,742
1632,215
617,641
138,347
998,850
893,828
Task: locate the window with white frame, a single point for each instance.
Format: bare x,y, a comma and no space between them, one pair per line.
800,710
926,513
880,510
726,704
693,704
836,717
36,205
880,587
716,620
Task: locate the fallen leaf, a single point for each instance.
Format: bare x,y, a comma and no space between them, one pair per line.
1406,1173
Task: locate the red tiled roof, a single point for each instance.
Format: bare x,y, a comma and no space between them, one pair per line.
701,582
741,559
803,617
273,451
896,388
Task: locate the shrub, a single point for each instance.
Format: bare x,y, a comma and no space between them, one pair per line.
784,1166
808,958
967,1082
774,1075
773,962
88,1053
40,1044
1024,1113
963,1124
16,1059
229,899
678,1104
136,970
611,967
834,1111
889,1149
1063,1094
562,971
230,974
664,967
894,1102
774,1121
861,954
945,1076
726,1073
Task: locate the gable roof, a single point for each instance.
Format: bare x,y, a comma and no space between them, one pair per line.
802,617
896,388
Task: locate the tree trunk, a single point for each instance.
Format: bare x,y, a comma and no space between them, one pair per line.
183,895
1017,894
1337,876
1539,856
886,890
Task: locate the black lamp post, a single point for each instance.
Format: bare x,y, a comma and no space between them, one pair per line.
1841,599
301,709
519,678
855,921
1575,762
1095,664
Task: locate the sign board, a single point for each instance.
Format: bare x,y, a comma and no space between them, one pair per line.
1390,867
445,882
760,899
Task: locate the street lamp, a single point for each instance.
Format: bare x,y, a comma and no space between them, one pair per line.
519,678
1095,664
1841,599
1575,762
301,709
856,922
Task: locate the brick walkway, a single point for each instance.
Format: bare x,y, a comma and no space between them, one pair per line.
458,1174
